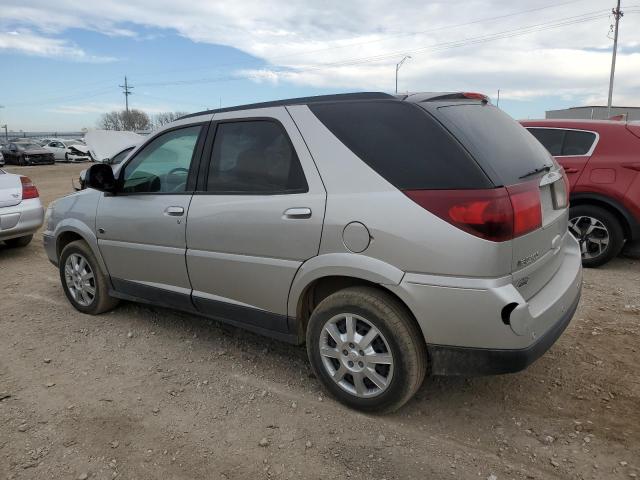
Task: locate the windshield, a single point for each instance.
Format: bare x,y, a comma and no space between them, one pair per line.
27,146
118,158
497,141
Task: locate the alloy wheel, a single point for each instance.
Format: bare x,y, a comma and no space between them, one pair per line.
80,280
356,355
592,235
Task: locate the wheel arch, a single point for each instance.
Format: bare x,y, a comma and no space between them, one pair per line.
320,277
629,226
72,230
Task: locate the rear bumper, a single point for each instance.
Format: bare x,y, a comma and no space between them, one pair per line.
21,220
448,360
469,331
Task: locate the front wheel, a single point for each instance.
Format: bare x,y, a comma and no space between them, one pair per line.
366,349
598,232
84,284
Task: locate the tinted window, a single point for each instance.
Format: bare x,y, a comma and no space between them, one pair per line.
564,142
119,157
163,164
577,143
497,141
551,138
402,143
254,157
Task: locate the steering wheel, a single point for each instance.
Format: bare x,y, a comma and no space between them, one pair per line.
178,169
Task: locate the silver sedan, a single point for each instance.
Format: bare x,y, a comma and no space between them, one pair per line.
21,212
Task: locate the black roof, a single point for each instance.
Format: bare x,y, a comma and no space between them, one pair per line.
301,101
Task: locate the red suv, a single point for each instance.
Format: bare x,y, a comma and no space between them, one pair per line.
602,160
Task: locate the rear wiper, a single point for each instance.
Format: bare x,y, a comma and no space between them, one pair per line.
546,168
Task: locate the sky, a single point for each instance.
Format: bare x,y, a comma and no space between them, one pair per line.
62,62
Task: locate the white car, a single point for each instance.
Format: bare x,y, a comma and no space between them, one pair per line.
21,213
68,150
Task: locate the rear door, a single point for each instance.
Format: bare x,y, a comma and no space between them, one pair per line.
571,148
258,217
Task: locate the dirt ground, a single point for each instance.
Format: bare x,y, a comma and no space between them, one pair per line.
148,393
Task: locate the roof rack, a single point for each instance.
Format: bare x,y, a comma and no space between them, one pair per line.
301,101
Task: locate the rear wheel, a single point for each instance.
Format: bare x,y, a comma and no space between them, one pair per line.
366,349
598,232
84,284
19,242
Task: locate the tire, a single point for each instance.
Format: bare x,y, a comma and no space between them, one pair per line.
22,162
66,157
85,302
19,242
397,336
592,225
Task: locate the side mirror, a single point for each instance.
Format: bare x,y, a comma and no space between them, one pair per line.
100,177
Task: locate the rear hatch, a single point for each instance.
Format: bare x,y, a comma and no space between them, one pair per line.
10,190
514,159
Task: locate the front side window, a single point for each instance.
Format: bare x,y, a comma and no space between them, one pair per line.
254,157
162,166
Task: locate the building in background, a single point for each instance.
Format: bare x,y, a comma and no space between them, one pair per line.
595,112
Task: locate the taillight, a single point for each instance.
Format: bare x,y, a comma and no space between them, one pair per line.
29,190
497,214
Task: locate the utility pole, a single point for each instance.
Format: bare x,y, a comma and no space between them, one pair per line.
498,100
127,91
617,13
398,65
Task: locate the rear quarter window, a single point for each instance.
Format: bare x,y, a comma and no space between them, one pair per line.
402,143
563,142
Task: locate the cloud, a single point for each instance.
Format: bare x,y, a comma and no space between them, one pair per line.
30,43
354,45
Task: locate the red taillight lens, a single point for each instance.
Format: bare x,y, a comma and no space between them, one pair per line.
475,95
497,214
527,208
29,190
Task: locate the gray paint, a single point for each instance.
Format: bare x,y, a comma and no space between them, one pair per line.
244,250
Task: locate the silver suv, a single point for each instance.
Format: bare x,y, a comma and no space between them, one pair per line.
395,235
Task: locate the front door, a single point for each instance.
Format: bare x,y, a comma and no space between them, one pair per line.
141,229
259,218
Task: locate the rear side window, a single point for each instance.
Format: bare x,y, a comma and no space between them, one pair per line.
254,157
403,144
497,141
561,142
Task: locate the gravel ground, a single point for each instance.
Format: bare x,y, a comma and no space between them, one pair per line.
146,393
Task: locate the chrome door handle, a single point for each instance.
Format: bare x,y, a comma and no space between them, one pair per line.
297,212
174,211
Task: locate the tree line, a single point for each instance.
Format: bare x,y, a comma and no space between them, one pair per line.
136,120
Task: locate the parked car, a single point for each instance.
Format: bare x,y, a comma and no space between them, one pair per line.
1,158
395,235
68,150
602,161
26,153
21,213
